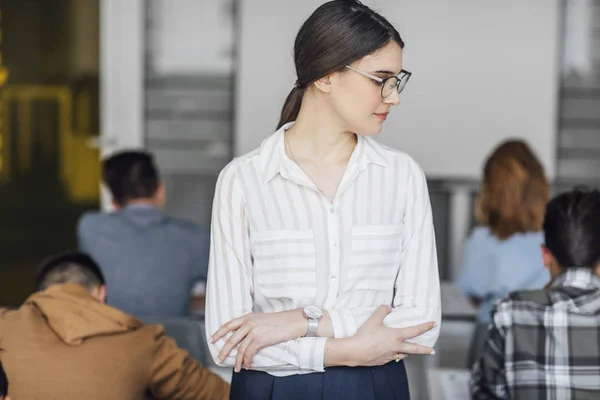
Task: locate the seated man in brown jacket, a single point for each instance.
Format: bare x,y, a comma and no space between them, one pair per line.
65,343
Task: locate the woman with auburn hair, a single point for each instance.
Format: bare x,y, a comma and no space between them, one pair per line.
503,253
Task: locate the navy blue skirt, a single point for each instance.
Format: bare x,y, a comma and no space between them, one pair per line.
386,382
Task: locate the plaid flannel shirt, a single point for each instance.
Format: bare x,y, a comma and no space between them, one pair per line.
544,344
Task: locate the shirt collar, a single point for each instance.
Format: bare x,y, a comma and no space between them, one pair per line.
271,153
579,277
273,158
140,206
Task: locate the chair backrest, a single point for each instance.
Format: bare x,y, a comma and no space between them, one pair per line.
188,333
448,383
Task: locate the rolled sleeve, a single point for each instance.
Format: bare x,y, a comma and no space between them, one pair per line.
312,354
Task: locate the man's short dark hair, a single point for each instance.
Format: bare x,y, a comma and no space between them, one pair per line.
70,267
130,175
572,228
3,382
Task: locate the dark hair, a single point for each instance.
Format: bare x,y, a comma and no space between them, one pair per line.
337,34
572,228
70,267
3,382
515,191
130,175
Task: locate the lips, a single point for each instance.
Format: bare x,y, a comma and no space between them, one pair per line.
382,116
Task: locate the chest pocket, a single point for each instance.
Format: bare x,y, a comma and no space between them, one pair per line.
375,259
285,263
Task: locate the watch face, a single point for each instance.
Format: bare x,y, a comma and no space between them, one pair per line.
313,312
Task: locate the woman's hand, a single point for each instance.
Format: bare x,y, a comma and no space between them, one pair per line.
255,331
376,344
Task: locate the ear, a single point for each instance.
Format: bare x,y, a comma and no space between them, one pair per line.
547,257
161,195
116,206
100,293
324,84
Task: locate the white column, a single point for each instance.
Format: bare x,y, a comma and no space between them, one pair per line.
460,213
122,34
122,50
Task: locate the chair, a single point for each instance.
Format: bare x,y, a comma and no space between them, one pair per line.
188,333
448,383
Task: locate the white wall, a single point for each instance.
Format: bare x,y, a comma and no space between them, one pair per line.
483,71
192,37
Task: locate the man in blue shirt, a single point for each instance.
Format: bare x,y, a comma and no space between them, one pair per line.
151,262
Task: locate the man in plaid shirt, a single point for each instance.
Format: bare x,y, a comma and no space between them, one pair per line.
545,344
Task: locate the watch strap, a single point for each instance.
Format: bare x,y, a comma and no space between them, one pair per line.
313,326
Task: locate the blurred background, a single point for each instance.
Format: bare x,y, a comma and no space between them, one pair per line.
198,82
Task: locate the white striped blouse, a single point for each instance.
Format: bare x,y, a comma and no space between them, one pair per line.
278,244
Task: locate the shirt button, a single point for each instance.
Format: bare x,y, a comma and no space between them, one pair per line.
334,278
333,244
331,210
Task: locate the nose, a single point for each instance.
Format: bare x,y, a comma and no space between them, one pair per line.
393,99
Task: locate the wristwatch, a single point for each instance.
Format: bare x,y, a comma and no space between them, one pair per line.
313,315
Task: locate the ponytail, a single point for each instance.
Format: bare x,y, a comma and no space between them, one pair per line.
291,107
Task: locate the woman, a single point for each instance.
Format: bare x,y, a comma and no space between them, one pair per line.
503,254
323,251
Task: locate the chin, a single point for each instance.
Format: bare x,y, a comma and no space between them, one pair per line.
371,130
364,127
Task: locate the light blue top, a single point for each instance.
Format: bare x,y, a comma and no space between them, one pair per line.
492,268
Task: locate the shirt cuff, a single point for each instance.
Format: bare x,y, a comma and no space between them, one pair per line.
312,353
343,322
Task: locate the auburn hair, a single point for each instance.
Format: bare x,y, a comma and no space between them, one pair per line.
514,191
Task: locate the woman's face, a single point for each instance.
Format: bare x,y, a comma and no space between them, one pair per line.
357,99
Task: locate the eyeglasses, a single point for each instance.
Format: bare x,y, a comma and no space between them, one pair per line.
389,84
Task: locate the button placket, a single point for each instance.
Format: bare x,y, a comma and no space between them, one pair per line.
334,256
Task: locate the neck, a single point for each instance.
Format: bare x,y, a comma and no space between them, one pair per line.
141,202
554,272
318,135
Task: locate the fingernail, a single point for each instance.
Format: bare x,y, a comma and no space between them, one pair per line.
434,325
237,369
432,352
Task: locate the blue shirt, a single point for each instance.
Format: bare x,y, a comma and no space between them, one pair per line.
492,268
150,261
